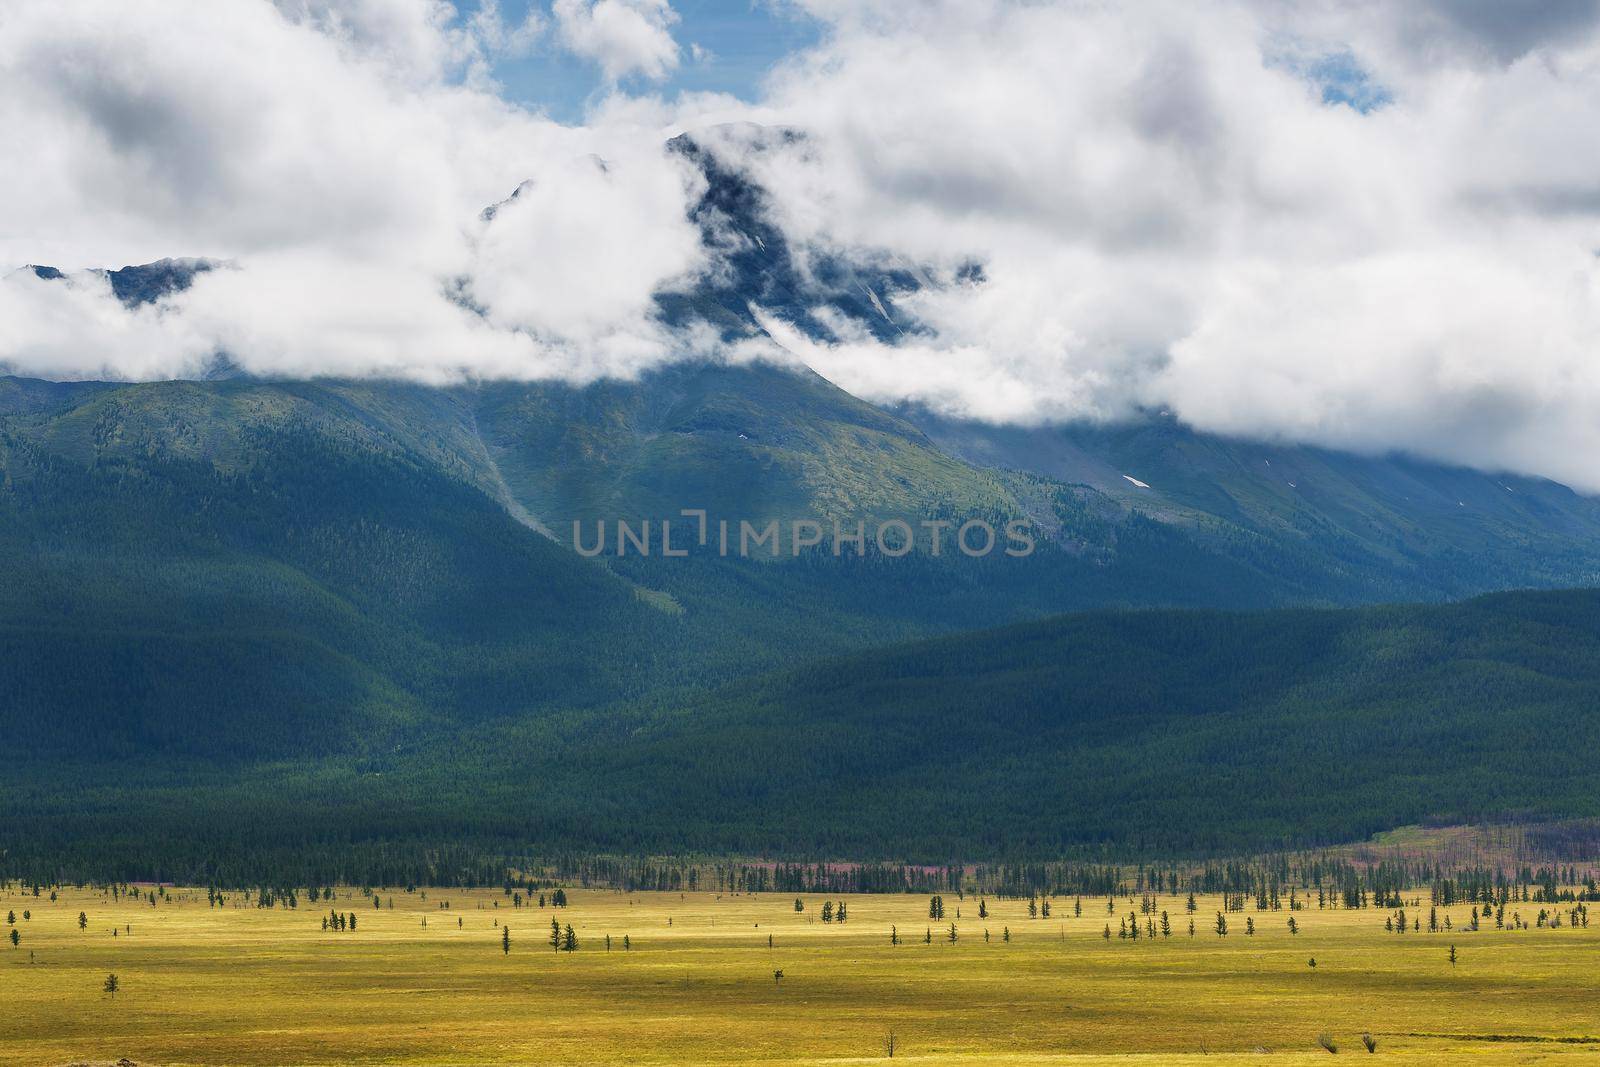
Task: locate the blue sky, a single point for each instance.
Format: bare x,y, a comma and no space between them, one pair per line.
743,40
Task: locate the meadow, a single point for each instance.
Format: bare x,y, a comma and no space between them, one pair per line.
426,978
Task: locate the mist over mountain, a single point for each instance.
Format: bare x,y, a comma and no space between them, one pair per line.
303,435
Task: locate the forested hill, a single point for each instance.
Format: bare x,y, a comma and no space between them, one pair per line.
1165,731
1121,733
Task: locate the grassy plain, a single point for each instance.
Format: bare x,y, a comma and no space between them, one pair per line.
239,984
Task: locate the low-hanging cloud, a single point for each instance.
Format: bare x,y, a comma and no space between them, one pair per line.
1356,224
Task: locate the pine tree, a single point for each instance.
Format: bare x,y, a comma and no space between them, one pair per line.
983,909
1222,925
555,935
569,940
505,940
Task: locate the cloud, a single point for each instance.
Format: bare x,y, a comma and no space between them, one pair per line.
1356,224
339,156
624,37
1169,215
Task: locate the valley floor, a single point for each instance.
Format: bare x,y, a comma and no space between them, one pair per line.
421,983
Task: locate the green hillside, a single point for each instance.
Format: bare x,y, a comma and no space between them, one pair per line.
246,568
1375,528
1165,732
338,623
1171,732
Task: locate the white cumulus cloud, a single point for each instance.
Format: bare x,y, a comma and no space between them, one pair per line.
623,36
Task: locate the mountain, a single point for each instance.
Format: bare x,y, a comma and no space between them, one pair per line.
1129,505
317,615
1123,733
1165,732
353,560
236,570
142,283
1391,525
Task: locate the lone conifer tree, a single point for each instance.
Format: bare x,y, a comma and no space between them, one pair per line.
505,940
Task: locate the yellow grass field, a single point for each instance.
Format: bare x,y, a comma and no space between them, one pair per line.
244,985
